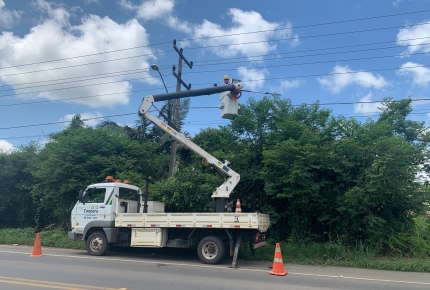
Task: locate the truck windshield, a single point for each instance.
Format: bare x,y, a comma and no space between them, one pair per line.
95,195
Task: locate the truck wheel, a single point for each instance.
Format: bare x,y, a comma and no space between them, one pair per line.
97,244
211,250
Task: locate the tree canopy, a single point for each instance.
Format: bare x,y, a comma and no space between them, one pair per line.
319,177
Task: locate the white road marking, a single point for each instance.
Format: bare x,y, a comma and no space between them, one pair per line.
221,267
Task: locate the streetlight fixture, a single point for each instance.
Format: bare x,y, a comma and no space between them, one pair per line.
155,67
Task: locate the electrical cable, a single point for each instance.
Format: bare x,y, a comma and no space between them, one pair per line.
226,35
220,63
62,122
126,72
327,53
328,48
303,63
303,76
310,25
242,68
233,44
310,36
217,122
296,105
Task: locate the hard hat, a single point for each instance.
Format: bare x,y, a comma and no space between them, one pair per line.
226,77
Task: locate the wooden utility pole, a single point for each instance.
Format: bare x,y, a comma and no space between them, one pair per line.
177,105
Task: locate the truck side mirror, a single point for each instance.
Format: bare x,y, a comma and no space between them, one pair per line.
81,195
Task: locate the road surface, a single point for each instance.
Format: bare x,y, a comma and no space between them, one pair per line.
154,269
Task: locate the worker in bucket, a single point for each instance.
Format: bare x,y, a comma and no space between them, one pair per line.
226,80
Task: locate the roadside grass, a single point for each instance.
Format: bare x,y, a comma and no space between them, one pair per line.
329,254
55,238
332,254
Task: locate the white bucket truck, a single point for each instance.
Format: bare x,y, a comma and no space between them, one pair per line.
118,214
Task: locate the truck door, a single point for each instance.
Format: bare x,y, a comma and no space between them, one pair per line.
92,207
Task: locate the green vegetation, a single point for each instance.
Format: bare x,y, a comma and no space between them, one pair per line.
328,254
333,254
56,238
335,188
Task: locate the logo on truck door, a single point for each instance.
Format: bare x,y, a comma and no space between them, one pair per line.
110,198
91,210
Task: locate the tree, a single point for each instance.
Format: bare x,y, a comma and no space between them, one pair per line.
16,173
76,158
76,123
141,131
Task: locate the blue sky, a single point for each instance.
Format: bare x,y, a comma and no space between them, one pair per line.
93,57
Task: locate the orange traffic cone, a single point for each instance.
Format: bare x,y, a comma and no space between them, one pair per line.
278,264
238,207
37,249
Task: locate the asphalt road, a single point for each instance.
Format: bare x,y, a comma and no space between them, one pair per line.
158,269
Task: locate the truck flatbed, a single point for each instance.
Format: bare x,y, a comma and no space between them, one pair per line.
256,221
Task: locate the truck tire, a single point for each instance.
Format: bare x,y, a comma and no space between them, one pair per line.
211,250
97,244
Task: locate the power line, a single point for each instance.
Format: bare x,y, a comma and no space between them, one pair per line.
226,35
287,77
311,36
306,63
327,53
78,65
120,73
243,68
311,25
76,98
23,137
87,55
233,44
220,123
79,79
328,48
126,114
62,122
218,63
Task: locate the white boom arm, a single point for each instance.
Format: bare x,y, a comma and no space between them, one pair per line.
227,187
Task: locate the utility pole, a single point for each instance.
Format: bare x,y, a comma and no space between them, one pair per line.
177,104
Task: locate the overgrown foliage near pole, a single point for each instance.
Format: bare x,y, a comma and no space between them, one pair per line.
319,177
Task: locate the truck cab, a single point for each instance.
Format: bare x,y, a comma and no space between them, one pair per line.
97,206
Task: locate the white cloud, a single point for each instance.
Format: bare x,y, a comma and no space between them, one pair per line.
150,9
85,116
179,25
397,2
243,22
6,147
76,9
418,37
56,38
8,17
420,75
288,85
212,34
344,76
91,1
367,108
253,78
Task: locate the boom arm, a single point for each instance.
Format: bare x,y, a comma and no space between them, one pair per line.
227,187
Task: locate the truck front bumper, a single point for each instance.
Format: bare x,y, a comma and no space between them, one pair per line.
74,236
